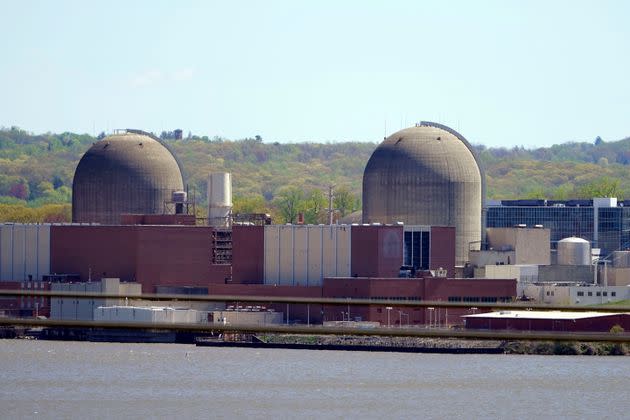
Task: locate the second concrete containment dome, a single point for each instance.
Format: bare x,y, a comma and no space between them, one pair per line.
426,175
128,172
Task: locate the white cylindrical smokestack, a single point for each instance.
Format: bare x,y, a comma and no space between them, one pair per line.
219,199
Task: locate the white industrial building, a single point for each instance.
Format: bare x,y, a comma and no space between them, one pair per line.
246,316
24,251
306,252
73,308
150,314
573,294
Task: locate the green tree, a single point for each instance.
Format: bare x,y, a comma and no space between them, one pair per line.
345,201
603,187
288,202
314,207
250,204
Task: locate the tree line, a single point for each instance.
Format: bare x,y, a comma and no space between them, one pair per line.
285,179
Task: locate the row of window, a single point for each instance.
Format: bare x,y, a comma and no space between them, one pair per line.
482,299
613,294
406,298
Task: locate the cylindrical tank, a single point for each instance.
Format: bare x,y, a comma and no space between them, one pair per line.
574,251
127,172
426,175
219,198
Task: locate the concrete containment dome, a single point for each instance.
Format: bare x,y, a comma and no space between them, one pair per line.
426,175
129,172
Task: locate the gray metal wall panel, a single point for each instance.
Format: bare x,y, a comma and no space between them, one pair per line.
43,253
272,248
329,251
301,253
286,255
30,251
343,252
19,261
314,271
6,251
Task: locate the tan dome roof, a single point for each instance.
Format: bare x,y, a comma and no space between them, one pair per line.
426,175
123,173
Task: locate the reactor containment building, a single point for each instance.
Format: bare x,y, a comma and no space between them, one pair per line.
426,175
128,172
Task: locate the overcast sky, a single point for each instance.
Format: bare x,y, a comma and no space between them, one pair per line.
502,73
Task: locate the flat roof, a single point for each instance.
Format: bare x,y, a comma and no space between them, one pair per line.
559,315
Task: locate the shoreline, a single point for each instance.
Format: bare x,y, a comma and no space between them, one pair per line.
422,345
327,342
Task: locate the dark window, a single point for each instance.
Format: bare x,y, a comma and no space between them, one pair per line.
416,249
613,293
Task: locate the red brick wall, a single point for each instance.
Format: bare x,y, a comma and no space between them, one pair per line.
364,251
596,324
32,305
432,289
150,255
248,254
99,249
176,256
10,305
376,251
442,253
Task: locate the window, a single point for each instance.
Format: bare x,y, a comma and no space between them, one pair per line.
605,293
590,293
613,293
416,249
599,293
580,293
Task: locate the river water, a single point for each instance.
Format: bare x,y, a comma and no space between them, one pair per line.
53,379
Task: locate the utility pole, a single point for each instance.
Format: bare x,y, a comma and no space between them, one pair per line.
331,211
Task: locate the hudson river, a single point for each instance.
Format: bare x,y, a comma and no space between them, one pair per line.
48,379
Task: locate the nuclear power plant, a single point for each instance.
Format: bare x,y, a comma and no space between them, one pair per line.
135,228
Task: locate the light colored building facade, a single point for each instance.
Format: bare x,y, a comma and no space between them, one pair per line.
573,294
72,308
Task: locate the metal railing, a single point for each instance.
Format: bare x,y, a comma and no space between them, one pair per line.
318,300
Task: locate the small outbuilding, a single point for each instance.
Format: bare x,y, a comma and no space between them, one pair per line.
547,321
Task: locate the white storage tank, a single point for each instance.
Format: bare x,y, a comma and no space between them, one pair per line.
574,251
219,198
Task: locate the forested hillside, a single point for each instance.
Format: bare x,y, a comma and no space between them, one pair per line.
36,172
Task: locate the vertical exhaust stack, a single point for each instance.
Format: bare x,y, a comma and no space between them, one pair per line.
219,199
